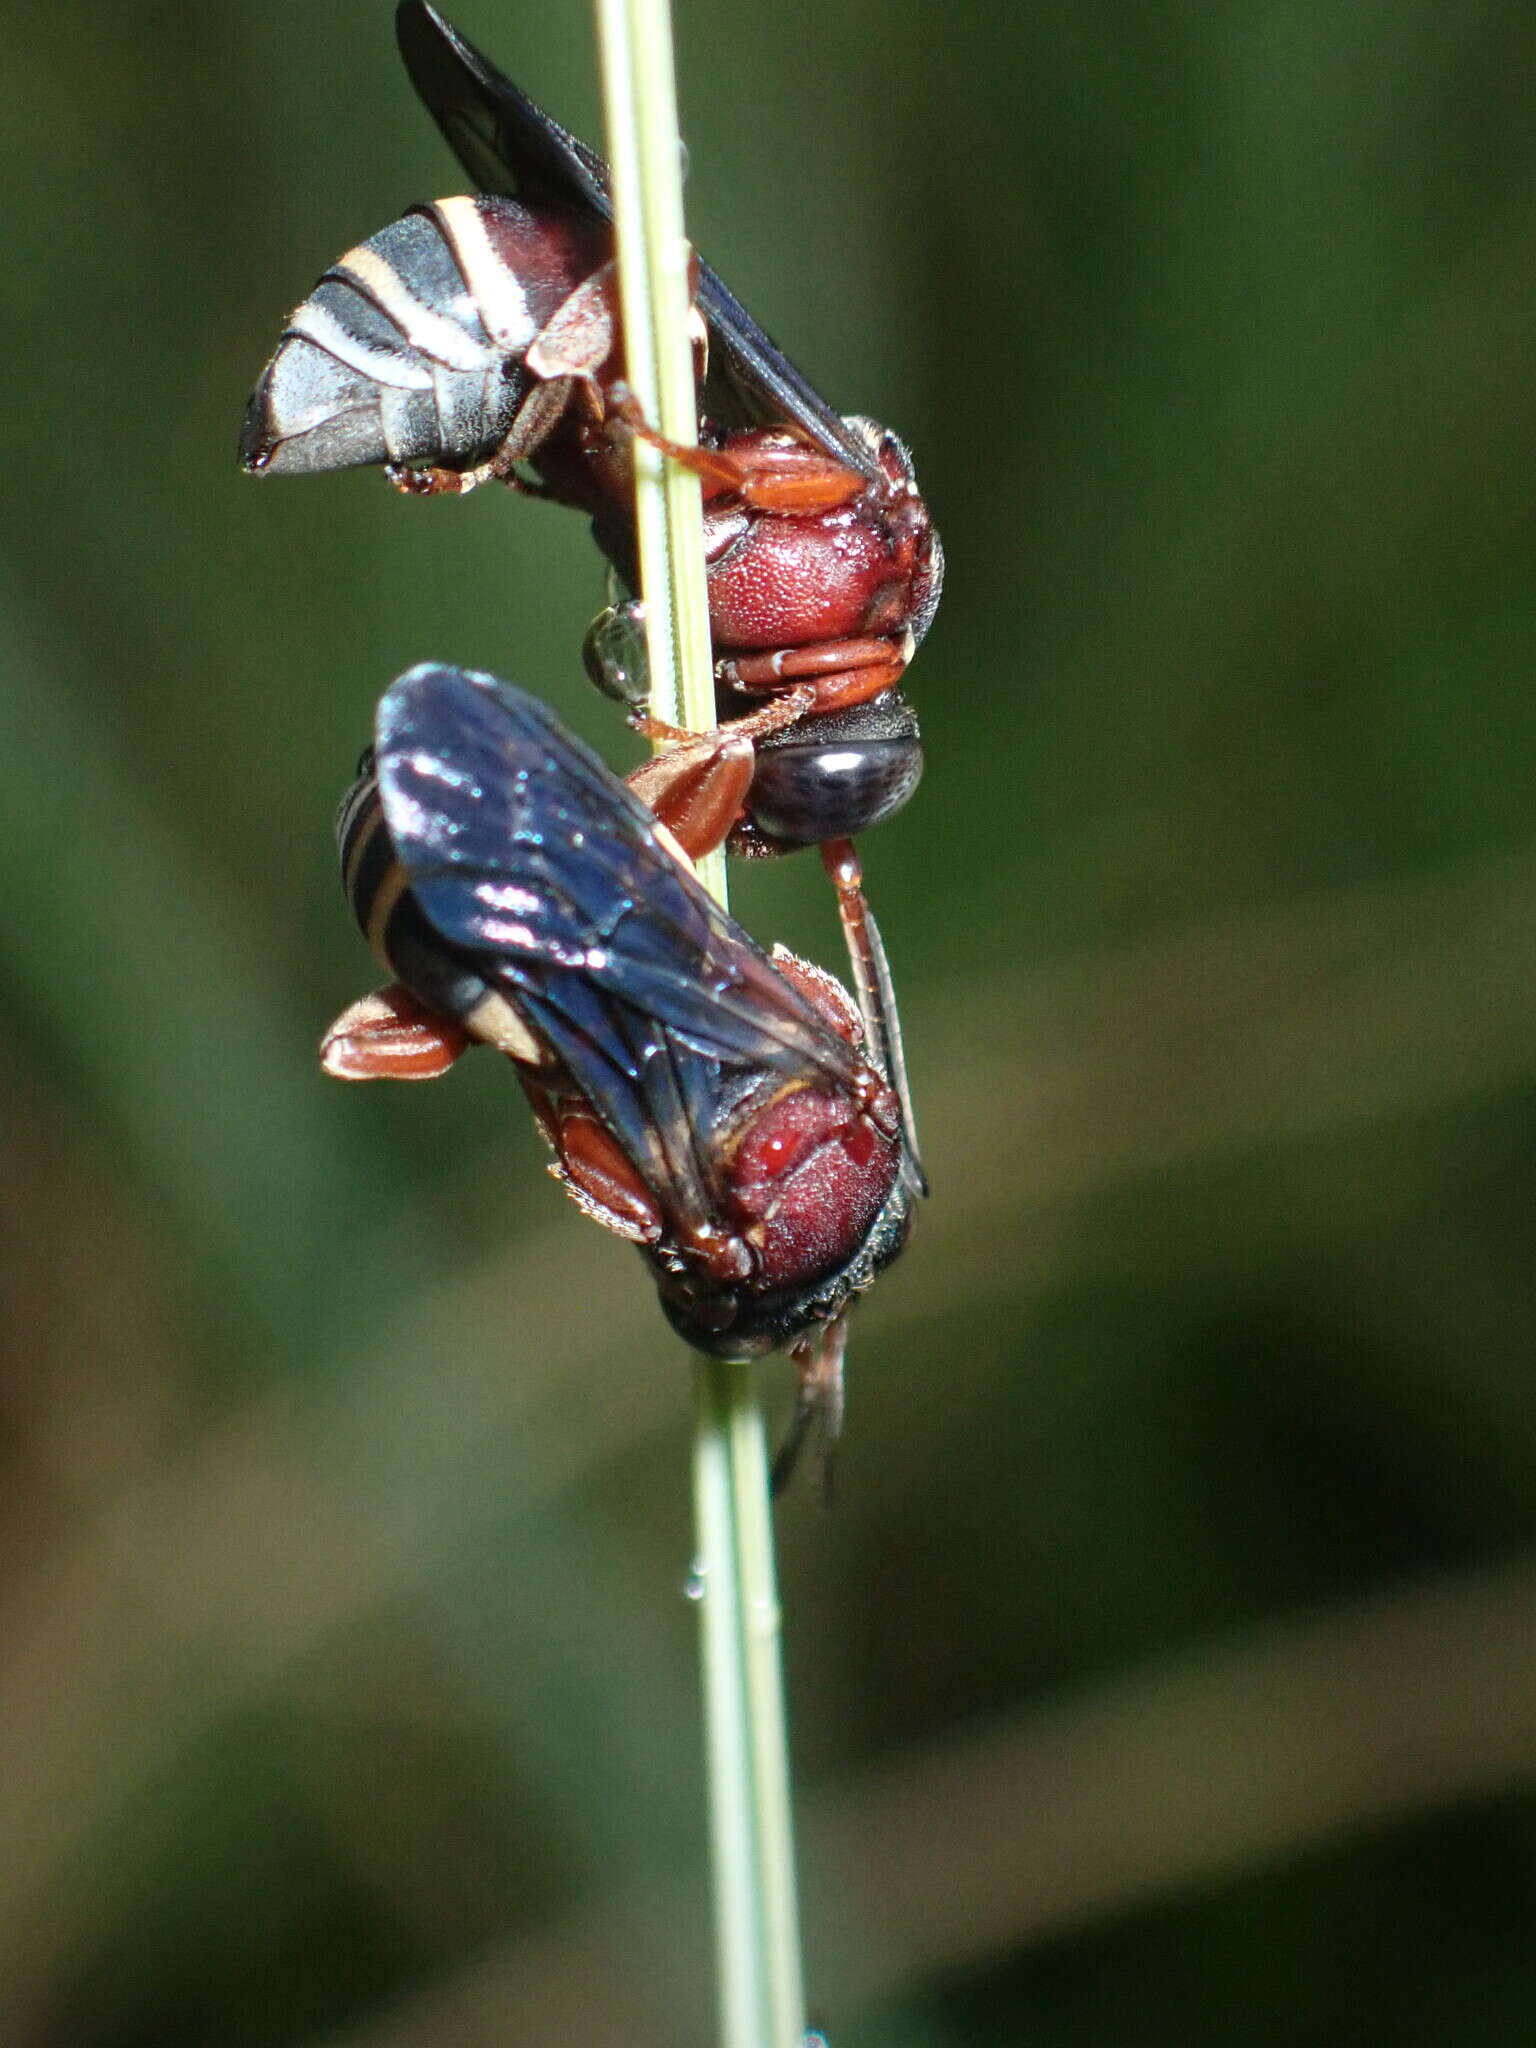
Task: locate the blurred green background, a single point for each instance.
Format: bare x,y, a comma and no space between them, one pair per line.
1166,1673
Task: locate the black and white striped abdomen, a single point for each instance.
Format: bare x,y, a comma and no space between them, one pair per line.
410,348
446,978
388,915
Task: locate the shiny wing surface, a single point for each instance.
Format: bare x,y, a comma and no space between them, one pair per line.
512,147
519,843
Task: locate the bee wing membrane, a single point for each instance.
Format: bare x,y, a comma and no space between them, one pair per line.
506,143
752,382
519,843
646,1089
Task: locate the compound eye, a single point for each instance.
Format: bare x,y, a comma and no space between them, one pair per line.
807,791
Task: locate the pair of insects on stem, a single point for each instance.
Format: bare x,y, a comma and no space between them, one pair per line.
715,1105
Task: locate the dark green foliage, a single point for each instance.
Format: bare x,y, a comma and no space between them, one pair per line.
344,1532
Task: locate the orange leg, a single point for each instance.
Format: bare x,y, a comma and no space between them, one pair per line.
698,786
789,476
389,1036
876,997
841,672
604,1183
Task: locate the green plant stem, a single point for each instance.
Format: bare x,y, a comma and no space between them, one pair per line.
640,108
751,1830
752,1833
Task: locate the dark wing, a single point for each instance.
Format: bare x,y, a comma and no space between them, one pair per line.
752,383
519,844
517,839
511,147
507,144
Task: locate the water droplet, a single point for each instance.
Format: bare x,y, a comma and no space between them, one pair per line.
693,1585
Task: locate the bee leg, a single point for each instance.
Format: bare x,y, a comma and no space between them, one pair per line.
819,1404
698,785
840,673
433,482
537,417
581,334
697,789
389,1036
565,356
789,477
876,995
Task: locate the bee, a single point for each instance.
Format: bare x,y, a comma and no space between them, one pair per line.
478,339
709,1102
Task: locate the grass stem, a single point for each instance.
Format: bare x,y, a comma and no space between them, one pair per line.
751,1829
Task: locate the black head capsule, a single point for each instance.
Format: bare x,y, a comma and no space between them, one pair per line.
826,776
832,776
